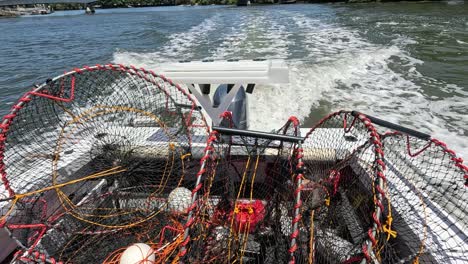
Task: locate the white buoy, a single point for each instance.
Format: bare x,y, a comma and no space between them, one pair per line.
179,200
138,253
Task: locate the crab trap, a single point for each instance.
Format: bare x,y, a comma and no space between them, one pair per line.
246,201
116,164
387,196
89,161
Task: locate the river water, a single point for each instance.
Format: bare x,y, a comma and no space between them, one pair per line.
403,62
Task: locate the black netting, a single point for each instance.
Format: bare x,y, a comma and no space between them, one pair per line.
338,190
246,203
382,199
428,202
91,159
102,160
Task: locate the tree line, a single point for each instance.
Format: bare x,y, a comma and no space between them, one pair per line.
143,3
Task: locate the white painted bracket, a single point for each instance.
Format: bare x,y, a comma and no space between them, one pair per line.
239,73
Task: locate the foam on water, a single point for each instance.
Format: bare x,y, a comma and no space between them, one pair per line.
179,46
338,67
391,23
181,43
232,41
254,36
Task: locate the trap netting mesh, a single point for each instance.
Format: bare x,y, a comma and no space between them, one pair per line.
89,162
244,207
427,186
106,159
382,199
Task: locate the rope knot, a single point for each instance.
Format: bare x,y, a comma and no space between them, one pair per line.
387,228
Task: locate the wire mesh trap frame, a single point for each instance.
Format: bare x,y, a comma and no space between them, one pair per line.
246,202
382,197
90,159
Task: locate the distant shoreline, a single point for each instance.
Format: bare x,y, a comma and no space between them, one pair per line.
106,4
110,4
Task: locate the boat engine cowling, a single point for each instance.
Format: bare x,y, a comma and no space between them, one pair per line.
238,106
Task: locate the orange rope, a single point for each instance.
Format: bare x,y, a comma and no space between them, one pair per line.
311,241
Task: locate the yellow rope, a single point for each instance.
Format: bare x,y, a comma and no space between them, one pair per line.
374,197
244,241
101,174
387,227
235,206
182,158
311,241
245,236
423,242
253,177
87,115
210,180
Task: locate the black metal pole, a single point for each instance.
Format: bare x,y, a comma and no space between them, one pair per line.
257,134
396,127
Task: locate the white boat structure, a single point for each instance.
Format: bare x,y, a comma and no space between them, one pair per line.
105,161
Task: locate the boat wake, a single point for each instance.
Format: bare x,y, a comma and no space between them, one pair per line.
332,67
